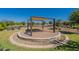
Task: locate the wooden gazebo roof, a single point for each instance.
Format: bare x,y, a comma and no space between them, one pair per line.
38,18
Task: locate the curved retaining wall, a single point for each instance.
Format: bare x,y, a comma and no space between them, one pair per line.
17,42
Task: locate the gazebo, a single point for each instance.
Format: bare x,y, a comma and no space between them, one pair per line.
31,19
39,39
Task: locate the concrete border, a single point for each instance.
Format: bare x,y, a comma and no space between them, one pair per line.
29,46
35,46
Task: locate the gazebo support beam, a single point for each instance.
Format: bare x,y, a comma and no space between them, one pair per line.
31,25
54,25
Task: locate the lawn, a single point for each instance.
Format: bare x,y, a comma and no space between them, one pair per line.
4,40
5,43
74,37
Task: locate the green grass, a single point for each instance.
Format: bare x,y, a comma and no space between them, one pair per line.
5,43
74,37
4,40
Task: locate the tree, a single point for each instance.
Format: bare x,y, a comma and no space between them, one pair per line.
58,22
33,23
50,22
23,23
1,27
74,17
20,23
3,24
43,23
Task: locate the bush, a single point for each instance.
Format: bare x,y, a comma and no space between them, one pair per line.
76,26
6,49
70,46
1,28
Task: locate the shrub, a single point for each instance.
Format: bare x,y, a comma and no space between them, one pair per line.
70,46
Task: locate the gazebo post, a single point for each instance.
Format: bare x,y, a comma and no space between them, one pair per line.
42,25
54,25
27,25
31,25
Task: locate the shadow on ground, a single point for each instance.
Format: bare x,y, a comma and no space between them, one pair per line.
65,32
3,49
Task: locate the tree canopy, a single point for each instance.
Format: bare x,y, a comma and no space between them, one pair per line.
74,17
50,22
5,24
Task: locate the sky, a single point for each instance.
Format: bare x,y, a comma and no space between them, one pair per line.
22,14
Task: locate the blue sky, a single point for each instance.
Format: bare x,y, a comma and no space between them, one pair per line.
22,14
